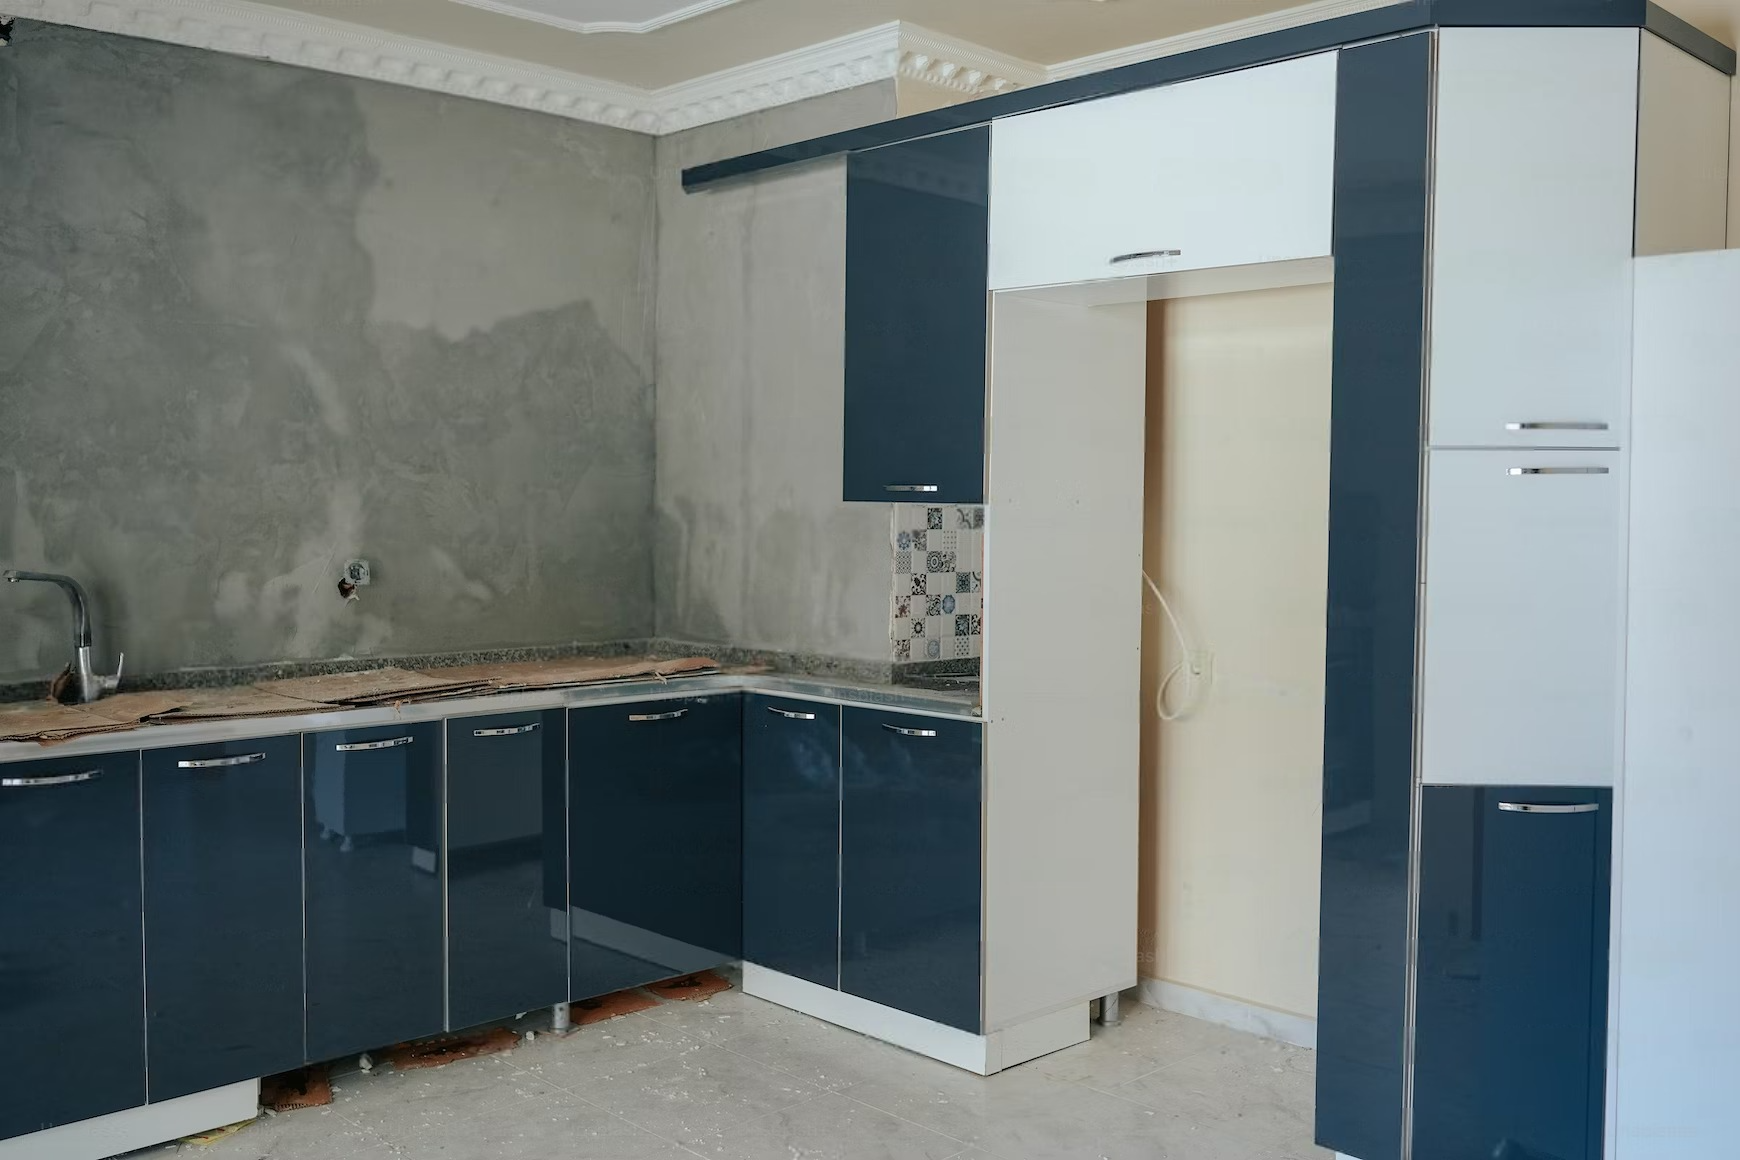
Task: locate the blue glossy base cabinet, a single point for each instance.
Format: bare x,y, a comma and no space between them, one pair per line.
655,828
374,888
507,865
791,837
72,992
223,913
910,850
1510,1041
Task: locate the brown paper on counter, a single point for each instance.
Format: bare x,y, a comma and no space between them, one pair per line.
132,708
572,672
235,704
374,687
48,723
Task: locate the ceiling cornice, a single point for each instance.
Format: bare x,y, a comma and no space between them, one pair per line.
519,11
288,37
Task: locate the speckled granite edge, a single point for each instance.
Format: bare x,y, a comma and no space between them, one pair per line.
798,664
955,667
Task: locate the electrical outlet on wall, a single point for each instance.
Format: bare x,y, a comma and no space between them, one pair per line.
357,572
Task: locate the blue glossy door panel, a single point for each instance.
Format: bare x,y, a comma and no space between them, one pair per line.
223,913
372,812
910,843
917,228
1510,1039
655,832
72,987
791,837
507,862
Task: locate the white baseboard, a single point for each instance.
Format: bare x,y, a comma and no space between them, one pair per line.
139,1128
1283,1026
979,1054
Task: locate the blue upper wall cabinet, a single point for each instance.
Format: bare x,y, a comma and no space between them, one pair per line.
1510,1044
72,991
655,856
223,913
507,865
372,813
917,220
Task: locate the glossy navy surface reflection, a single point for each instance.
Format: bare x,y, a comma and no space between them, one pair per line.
910,848
374,889
223,913
72,994
507,865
791,837
655,856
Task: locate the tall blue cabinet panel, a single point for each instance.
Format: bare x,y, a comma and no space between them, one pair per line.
372,811
1383,151
910,856
791,837
223,913
1510,1045
655,840
72,987
507,863
917,244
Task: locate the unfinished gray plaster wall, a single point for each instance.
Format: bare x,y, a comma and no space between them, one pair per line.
755,547
256,320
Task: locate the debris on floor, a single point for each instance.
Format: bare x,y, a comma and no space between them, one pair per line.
704,985
435,1052
306,1087
216,1134
589,1011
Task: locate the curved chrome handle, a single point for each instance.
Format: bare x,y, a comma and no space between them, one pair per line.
365,746
910,732
1139,254
221,762
658,716
924,487
511,731
1536,808
1557,471
52,779
789,715
1555,426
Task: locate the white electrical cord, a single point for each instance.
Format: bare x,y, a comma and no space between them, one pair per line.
1185,667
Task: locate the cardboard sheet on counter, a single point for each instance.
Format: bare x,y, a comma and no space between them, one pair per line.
573,672
235,704
49,723
388,686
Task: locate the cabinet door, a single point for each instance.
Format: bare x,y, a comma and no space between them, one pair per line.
72,992
507,865
1533,217
791,837
1524,571
1510,1041
655,840
223,913
372,812
915,320
910,855
1229,170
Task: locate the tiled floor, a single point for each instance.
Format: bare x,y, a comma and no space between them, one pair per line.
737,1078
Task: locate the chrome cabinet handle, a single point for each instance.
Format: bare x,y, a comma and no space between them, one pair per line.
1555,426
1557,471
510,731
909,732
924,487
365,746
790,716
658,716
52,779
1536,808
221,762
1139,254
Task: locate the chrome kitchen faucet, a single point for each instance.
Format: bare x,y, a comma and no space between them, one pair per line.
86,685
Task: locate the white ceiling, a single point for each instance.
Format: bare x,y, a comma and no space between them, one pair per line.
593,16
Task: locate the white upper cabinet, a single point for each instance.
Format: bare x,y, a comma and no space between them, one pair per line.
1229,170
1531,259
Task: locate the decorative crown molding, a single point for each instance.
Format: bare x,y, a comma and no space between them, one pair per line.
687,12
951,63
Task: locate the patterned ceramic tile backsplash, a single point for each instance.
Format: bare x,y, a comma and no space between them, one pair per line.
939,582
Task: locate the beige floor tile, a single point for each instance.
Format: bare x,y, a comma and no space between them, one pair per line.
831,1058
687,1096
829,1127
1147,1040
557,1126
309,1134
578,1061
1259,1091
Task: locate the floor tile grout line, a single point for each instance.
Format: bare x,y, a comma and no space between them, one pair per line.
967,1145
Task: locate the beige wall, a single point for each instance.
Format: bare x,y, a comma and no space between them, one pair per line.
1721,19
1237,535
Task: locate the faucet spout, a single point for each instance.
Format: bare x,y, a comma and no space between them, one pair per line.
75,592
83,682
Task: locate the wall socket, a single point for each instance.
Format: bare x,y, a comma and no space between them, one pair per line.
357,572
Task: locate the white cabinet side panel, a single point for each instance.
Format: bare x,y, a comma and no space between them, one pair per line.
1532,235
1682,152
1677,1036
1063,625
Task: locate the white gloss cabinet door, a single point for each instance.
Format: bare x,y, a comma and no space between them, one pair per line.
1536,176
1520,683
1228,170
